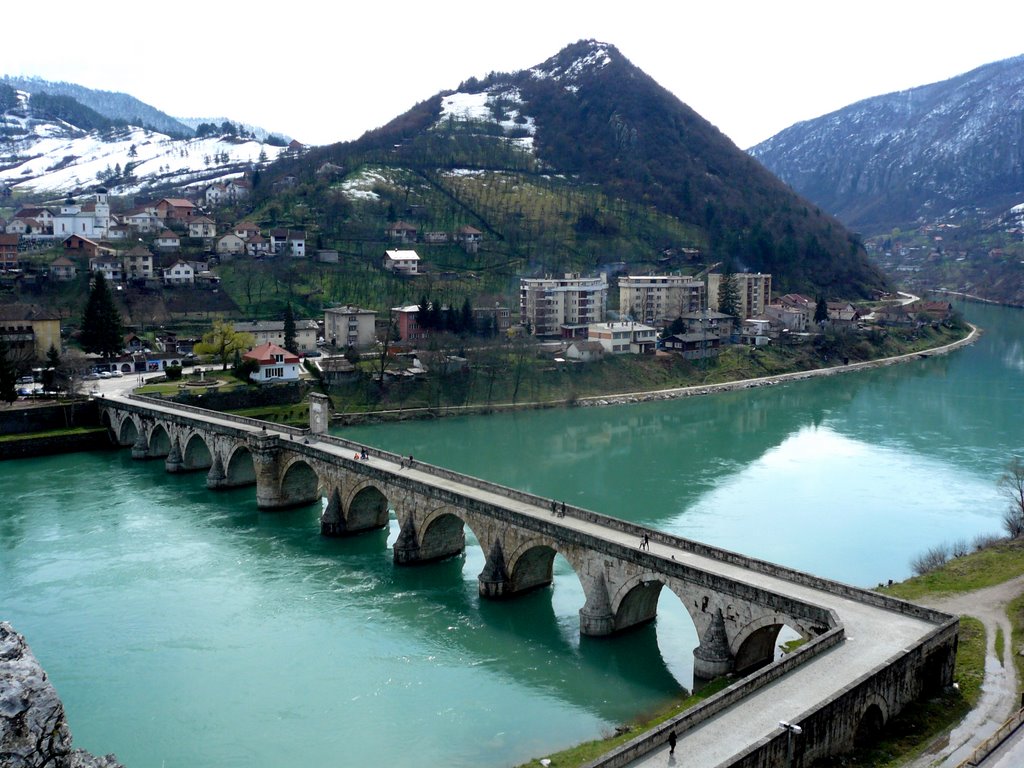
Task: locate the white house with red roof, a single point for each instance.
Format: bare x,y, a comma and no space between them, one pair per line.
276,363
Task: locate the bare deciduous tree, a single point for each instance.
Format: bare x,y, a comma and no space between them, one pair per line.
1011,485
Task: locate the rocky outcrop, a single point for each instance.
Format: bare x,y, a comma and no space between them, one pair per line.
33,729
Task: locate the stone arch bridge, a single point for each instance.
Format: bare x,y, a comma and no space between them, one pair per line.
738,605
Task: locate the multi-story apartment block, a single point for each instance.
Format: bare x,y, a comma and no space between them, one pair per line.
272,332
562,307
350,326
660,299
753,289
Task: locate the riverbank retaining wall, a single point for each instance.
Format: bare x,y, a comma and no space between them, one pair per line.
46,418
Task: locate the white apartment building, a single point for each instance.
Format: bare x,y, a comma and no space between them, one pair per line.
754,290
350,326
272,332
660,299
562,307
624,338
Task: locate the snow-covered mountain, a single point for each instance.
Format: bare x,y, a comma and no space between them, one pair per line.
40,152
912,155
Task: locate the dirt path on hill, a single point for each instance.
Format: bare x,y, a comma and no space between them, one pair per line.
999,689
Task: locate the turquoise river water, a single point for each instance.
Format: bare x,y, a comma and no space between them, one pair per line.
183,627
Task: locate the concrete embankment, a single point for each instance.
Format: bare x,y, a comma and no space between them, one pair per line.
767,381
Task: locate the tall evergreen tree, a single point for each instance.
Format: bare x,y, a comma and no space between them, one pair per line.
102,327
468,323
729,294
8,373
821,311
289,329
49,375
423,316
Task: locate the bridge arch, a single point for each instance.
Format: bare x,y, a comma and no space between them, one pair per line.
195,453
300,483
754,644
636,601
159,441
872,720
442,533
127,431
366,508
531,565
239,469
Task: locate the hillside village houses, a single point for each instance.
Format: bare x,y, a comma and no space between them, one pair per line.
468,237
232,191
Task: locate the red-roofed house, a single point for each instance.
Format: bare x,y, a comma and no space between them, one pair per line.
175,209
62,268
276,363
168,240
402,232
469,238
9,251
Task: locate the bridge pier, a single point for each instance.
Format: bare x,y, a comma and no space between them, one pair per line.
406,550
494,583
596,617
332,520
140,448
174,462
216,478
712,658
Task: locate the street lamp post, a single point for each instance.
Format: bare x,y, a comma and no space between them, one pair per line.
791,731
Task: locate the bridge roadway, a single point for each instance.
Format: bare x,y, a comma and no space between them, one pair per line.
874,634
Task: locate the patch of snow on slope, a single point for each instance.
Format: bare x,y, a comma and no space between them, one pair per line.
158,158
360,186
477,107
465,106
597,58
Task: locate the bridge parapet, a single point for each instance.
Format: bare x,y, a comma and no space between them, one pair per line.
705,550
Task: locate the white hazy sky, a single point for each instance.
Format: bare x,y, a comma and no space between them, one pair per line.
324,72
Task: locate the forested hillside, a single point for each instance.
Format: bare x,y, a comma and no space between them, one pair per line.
578,162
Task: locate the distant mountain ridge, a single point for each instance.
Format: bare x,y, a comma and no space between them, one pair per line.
53,143
119,107
913,155
588,117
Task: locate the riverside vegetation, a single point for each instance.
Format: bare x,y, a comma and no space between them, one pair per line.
514,372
